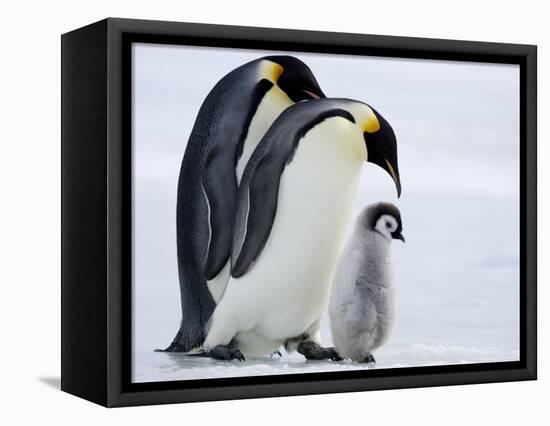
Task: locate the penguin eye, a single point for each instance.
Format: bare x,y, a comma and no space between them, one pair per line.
388,224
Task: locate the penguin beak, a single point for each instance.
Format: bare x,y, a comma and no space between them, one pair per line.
382,151
392,170
313,95
398,236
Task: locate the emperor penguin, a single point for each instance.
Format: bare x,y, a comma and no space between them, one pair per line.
231,121
361,304
294,204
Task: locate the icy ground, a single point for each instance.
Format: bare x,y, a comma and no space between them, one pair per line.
466,346
457,300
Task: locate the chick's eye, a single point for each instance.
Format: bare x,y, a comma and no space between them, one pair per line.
388,224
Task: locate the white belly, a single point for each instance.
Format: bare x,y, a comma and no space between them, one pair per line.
287,288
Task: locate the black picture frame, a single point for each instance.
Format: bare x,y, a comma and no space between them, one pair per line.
96,212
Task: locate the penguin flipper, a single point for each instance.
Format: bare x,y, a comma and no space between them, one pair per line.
220,189
255,216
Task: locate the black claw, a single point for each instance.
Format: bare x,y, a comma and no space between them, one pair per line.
369,359
226,353
236,354
313,351
334,355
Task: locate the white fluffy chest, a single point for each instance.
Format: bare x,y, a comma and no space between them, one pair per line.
273,103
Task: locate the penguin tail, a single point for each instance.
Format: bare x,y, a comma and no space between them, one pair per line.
193,352
192,331
183,342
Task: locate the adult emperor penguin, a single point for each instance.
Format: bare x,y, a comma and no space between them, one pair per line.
295,199
231,121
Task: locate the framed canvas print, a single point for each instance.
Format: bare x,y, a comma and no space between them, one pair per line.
252,212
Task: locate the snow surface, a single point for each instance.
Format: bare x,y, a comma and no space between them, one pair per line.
455,303
457,276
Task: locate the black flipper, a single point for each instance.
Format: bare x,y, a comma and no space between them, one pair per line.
220,189
259,188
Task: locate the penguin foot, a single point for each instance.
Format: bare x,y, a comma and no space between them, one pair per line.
313,351
369,359
226,353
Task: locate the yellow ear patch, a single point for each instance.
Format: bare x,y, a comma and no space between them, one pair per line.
276,71
270,71
371,124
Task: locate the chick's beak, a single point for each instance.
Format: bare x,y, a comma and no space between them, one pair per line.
398,236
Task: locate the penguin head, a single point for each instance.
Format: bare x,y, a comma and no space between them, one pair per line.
380,140
295,79
385,219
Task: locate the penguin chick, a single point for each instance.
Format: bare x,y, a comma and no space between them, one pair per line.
361,305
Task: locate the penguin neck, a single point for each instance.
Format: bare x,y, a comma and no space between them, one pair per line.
274,102
334,152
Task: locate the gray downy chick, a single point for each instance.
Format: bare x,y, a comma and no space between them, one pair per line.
361,304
